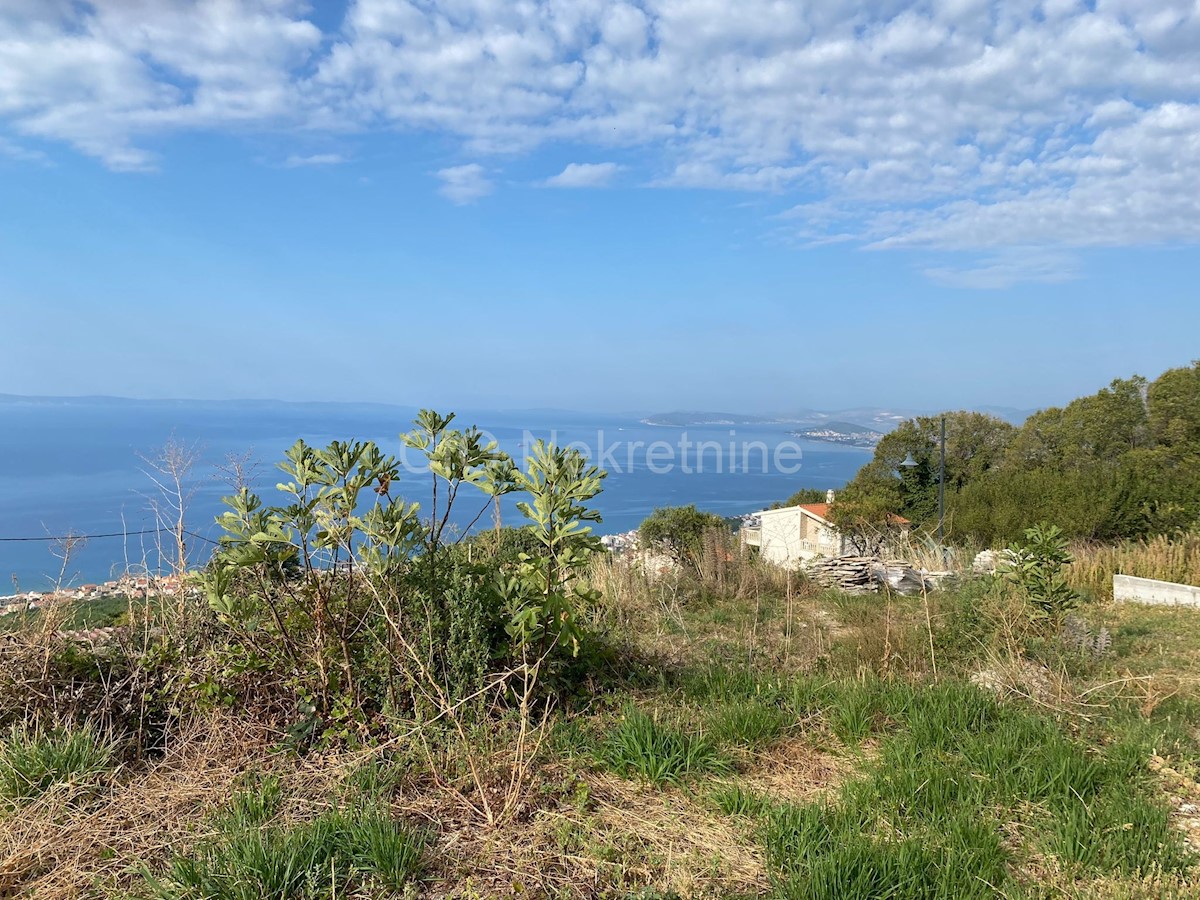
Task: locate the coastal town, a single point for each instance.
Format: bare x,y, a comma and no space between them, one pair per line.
134,586
841,433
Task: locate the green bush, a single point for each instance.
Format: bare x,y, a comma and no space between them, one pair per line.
1037,567
363,606
34,761
679,531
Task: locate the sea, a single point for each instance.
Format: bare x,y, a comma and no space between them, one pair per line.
83,466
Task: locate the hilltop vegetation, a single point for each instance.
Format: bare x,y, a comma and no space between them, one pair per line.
1123,463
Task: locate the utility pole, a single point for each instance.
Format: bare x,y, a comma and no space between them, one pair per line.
942,493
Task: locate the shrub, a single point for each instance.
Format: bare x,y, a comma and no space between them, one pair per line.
357,595
1036,566
33,761
679,531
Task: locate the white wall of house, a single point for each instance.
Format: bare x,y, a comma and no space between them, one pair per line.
791,535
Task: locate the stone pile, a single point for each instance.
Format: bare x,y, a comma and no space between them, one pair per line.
852,574
986,562
903,578
865,575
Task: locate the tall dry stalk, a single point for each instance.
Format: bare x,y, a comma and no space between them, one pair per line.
1166,558
170,469
929,628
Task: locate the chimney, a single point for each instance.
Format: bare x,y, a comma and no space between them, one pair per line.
829,496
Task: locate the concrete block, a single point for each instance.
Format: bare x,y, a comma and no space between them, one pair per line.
1157,593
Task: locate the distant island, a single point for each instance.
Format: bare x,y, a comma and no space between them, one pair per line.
815,426
876,420
845,433
687,419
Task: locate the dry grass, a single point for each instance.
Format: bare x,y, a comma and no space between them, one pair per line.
794,771
48,854
585,834
1165,558
632,836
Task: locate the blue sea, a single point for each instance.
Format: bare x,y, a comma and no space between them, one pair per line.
76,465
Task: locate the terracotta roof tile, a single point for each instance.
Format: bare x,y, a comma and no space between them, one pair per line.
821,511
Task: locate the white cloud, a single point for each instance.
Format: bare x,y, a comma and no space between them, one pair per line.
105,76
19,152
971,124
584,175
464,184
317,159
1010,266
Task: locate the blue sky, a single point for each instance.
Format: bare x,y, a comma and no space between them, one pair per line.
598,204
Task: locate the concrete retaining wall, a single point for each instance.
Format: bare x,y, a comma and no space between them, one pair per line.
1158,593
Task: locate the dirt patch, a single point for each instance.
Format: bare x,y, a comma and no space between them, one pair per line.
631,835
795,771
1183,795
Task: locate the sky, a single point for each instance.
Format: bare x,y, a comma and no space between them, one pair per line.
601,205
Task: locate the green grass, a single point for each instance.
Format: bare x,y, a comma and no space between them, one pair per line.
339,853
34,761
833,852
750,723
640,746
950,766
853,716
735,800
254,805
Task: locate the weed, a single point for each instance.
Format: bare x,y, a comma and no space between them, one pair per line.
747,724
32,761
334,854
735,800
639,745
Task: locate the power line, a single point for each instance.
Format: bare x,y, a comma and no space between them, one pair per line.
89,537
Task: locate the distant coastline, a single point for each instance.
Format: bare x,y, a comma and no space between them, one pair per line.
844,433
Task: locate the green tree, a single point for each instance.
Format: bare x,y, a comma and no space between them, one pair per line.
975,444
866,510
678,531
1174,409
1094,430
